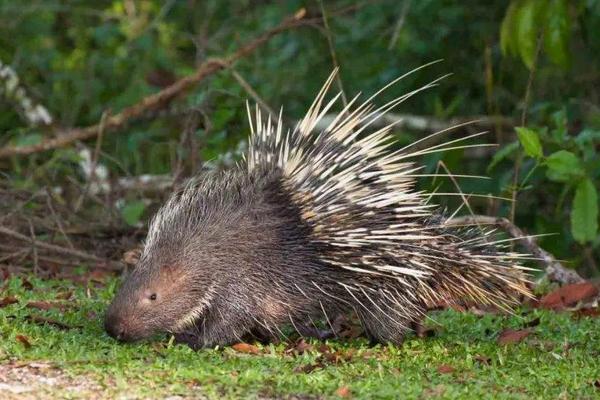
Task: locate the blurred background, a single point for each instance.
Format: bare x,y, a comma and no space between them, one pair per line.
85,160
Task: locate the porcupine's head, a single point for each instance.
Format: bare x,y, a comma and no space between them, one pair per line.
194,242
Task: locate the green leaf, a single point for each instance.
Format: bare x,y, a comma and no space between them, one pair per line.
530,141
584,215
132,212
502,154
508,38
527,25
557,32
564,166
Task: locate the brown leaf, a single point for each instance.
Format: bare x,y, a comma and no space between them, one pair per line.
24,341
483,360
64,295
445,369
300,346
246,348
8,300
568,296
46,305
324,348
510,336
343,391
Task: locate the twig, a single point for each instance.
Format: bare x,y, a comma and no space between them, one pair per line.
56,219
36,266
334,59
250,90
519,159
399,24
61,250
157,100
555,271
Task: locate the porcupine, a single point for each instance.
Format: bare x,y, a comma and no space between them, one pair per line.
311,224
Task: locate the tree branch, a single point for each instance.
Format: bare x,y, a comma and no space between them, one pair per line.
102,263
157,100
555,271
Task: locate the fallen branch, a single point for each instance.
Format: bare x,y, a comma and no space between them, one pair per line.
555,271
157,100
102,263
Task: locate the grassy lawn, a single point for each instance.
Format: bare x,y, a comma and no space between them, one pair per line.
560,358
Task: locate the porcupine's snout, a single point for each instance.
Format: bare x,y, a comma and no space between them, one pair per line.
117,327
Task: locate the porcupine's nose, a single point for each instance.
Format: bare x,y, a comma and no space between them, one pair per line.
115,327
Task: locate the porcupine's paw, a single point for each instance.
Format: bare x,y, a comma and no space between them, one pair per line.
190,338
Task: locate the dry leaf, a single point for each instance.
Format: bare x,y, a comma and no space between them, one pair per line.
300,346
46,305
509,336
568,296
8,300
246,348
64,295
445,369
24,341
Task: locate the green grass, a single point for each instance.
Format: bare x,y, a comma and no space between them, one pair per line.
561,357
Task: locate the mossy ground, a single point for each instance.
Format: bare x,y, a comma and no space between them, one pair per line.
560,358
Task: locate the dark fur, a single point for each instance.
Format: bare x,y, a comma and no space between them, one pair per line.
248,241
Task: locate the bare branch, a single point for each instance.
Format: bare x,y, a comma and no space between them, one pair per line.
39,245
157,100
555,271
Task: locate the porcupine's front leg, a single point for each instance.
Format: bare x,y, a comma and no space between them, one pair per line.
221,325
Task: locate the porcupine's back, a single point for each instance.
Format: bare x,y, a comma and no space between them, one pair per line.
358,200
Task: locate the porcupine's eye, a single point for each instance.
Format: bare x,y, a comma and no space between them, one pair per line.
153,296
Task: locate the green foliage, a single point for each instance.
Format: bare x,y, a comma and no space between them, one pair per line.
530,141
584,217
563,166
572,170
132,211
526,20
87,58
